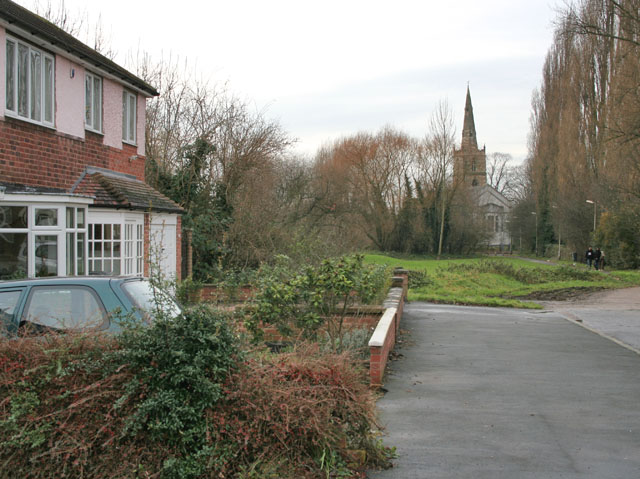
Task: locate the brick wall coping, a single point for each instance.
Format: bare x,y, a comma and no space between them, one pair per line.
393,298
379,336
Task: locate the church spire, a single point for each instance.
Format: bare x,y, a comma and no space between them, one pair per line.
469,126
470,163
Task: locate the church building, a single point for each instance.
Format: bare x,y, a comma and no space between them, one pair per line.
470,172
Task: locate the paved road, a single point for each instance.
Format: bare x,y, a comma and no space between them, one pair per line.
502,393
613,314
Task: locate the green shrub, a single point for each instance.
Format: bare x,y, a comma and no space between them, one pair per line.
354,341
317,297
418,278
187,291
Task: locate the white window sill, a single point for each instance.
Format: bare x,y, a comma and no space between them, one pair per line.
10,114
97,132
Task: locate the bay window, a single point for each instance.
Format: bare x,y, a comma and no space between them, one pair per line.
36,241
116,244
29,82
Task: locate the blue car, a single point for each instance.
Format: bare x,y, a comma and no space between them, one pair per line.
80,303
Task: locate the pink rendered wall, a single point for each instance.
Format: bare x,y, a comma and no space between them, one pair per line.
112,116
69,102
3,45
69,97
140,123
112,113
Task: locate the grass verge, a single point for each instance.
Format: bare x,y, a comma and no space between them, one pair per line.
500,281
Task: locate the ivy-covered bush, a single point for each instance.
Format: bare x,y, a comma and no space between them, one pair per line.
179,366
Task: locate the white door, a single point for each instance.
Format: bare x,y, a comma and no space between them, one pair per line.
163,244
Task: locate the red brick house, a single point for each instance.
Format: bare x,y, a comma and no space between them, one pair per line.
73,200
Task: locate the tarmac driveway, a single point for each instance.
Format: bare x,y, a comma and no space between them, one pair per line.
503,393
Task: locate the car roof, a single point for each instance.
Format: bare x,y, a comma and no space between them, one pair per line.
65,280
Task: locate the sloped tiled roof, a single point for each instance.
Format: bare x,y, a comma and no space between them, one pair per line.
121,191
33,24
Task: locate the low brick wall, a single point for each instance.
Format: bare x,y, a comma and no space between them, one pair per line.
384,337
362,320
385,320
211,293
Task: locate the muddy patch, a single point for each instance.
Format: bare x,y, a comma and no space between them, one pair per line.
565,294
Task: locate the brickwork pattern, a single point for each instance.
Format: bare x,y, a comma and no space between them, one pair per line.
37,156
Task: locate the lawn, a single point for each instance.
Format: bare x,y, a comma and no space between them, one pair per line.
500,281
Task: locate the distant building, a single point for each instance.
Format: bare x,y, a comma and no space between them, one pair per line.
470,171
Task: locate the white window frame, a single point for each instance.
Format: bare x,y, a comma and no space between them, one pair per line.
58,231
129,118
78,233
11,80
93,102
130,243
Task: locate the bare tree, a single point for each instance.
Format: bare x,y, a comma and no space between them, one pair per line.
503,175
440,143
610,19
78,25
584,136
365,174
61,17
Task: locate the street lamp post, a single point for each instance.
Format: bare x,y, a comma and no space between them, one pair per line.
536,216
595,210
559,232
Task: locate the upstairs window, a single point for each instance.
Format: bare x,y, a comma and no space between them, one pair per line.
129,101
29,82
93,102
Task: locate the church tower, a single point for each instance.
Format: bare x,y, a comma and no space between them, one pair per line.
470,162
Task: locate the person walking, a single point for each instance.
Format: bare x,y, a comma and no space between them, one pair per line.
589,257
602,260
596,258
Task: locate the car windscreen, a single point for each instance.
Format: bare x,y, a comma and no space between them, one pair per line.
150,299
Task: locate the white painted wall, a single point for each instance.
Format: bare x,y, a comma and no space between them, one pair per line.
162,239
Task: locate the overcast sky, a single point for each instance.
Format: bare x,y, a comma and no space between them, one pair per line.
327,69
